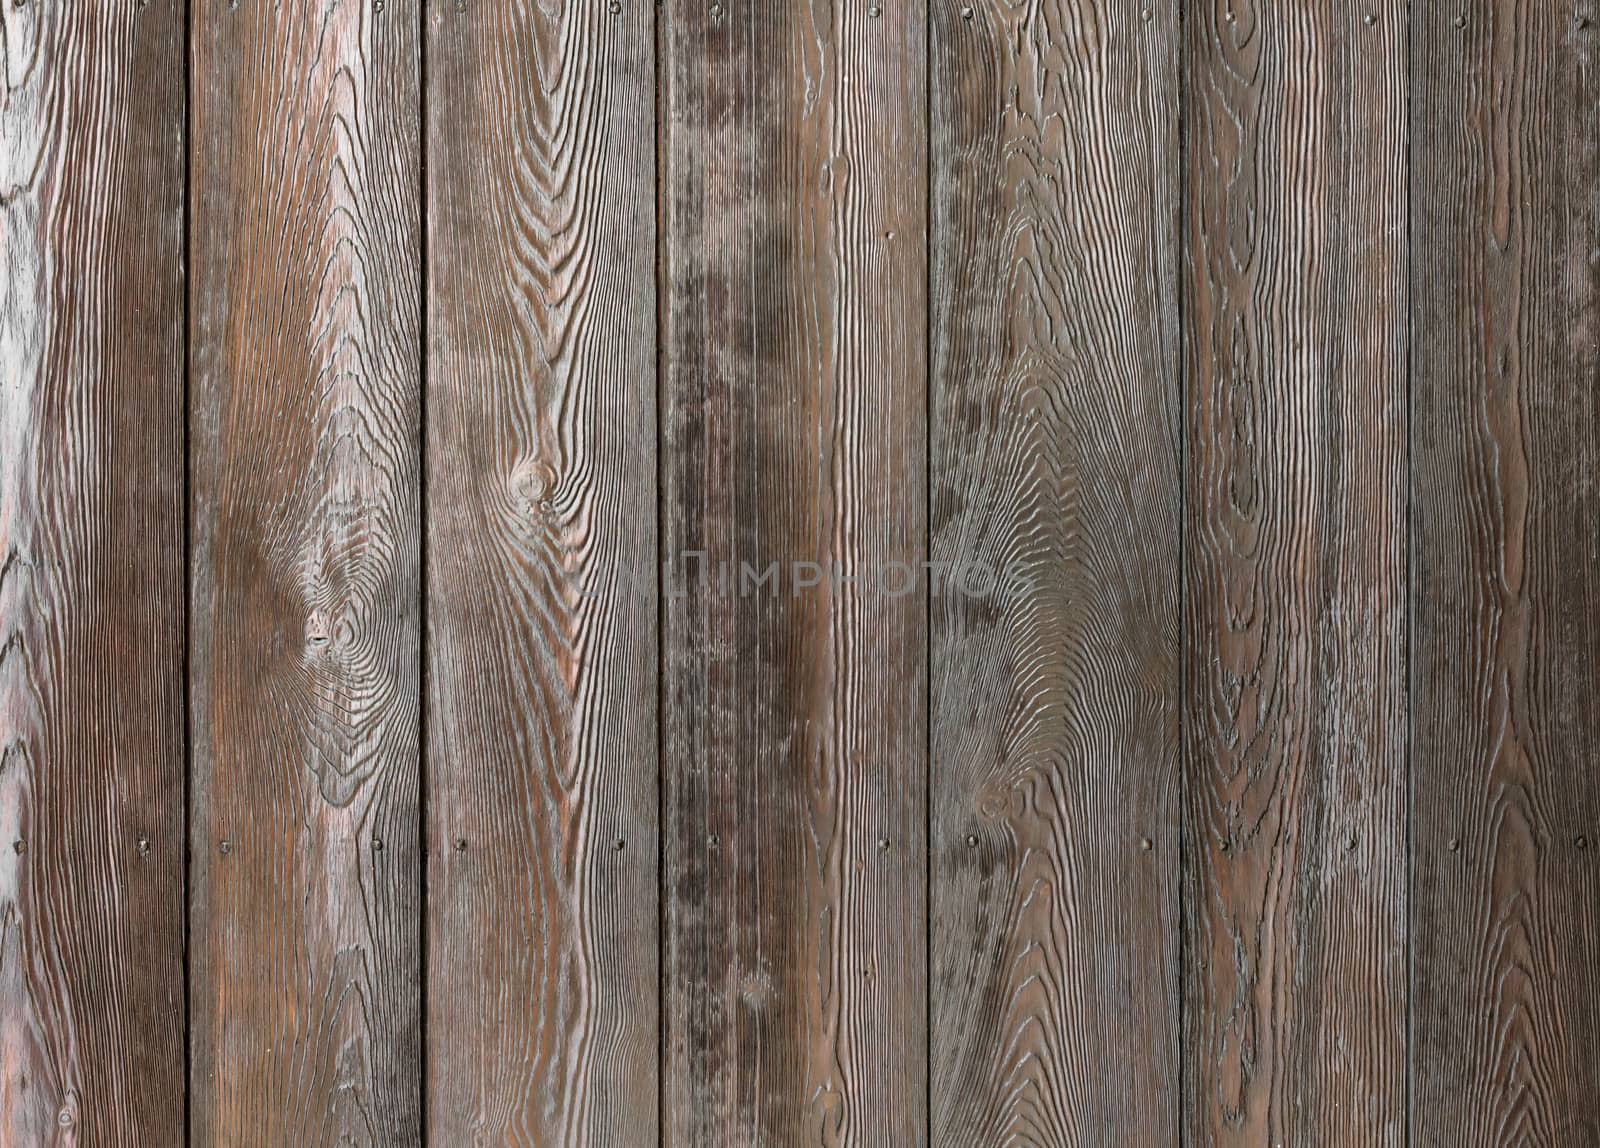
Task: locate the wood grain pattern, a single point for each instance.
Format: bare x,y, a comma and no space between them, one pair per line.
1295,526
1506,443
543,770
305,396
794,404
1055,454
91,574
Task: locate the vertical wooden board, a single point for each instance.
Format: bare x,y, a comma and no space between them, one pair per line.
1295,317
91,574
794,417
1055,640
542,755
1506,602
304,424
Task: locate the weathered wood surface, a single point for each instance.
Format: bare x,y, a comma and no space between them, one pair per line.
305,432
542,747
794,716
1506,450
1055,460
91,574
1295,572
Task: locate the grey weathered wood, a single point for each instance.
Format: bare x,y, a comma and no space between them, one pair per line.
91,574
1506,600
794,721
1055,455
542,747
1295,573
304,420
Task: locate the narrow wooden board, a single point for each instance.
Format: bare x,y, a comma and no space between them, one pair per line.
91,574
1295,314
1056,445
305,437
542,745
1506,442
794,423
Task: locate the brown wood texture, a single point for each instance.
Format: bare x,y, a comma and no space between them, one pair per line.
793,432
1295,573
1056,442
305,435
1506,449
542,746
91,574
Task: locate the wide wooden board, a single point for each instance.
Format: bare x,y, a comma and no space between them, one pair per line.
542,746
793,430
1056,443
91,574
305,442
1295,537
1505,445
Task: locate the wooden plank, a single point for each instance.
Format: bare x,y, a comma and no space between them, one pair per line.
794,715
542,745
1296,722
304,422
1055,480
1506,602
91,574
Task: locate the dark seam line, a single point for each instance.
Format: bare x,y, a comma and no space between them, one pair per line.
658,50
1181,59
423,650
188,573
1410,629
927,599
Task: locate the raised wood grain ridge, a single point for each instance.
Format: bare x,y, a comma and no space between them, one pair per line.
91,574
542,747
1506,450
1295,571
793,432
305,432
1055,459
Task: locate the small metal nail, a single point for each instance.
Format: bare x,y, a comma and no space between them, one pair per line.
614,7
713,840
377,844
1455,844
1460,21
966,12
1581,841
875,11
883,843
716,11
143,846
1146,15
19,847
972,841
619,845
225,846
1369,19
1146,844
461,844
